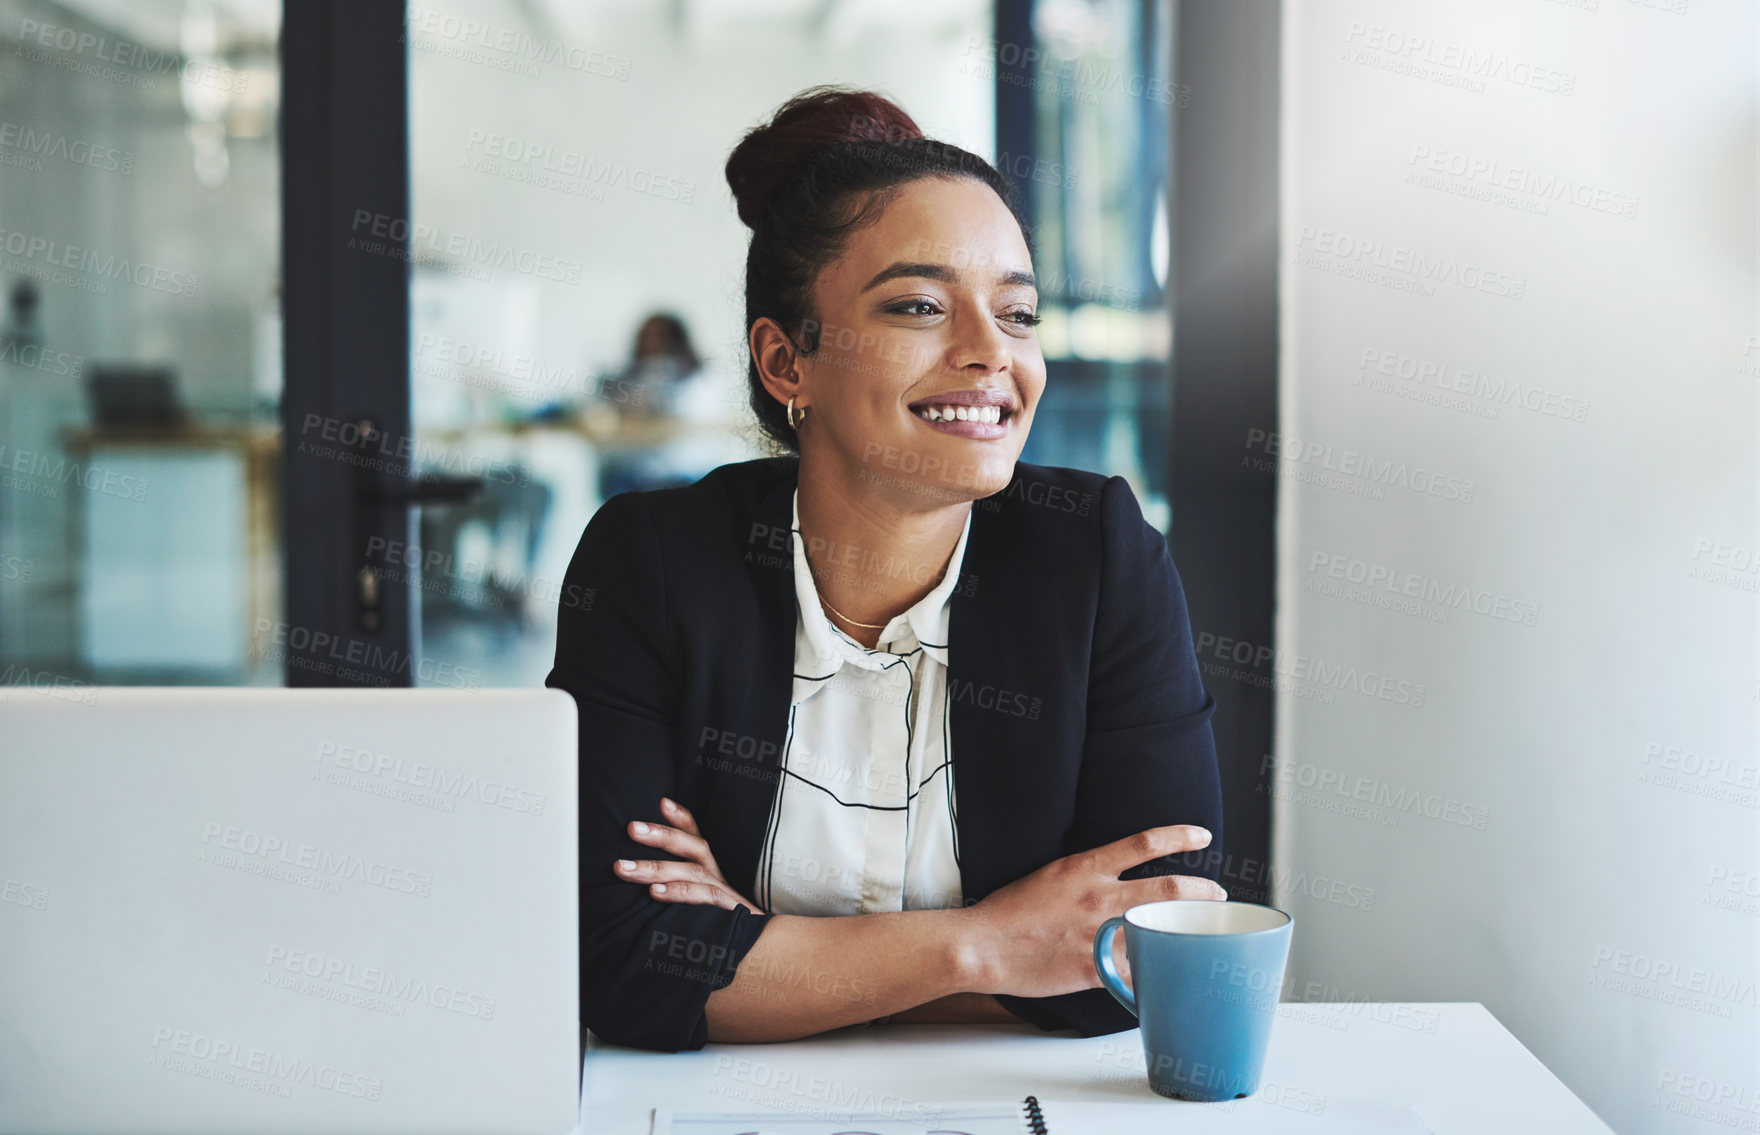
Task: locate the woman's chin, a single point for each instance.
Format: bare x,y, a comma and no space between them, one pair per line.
980,480
946,468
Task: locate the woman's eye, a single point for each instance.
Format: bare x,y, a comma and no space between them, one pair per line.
914,307
1024,318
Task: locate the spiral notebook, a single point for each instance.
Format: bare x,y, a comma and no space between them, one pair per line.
1024,1118
1320,1115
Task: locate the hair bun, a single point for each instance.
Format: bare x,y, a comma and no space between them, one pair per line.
770,155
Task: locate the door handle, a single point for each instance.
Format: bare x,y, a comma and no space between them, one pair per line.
375,491
427,489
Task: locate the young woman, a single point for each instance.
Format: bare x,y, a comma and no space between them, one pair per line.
888,728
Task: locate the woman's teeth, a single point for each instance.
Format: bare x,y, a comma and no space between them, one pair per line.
961,413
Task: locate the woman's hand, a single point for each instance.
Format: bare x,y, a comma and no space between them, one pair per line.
697,879
1035,937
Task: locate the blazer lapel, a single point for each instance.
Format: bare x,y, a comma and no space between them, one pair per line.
758,680
999,699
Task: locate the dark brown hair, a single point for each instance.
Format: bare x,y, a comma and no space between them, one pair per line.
827,164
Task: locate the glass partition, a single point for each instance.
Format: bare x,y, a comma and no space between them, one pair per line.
140,345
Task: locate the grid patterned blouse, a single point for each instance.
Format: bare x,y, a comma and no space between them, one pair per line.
863,819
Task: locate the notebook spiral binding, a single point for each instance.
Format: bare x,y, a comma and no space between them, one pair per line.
1035,1117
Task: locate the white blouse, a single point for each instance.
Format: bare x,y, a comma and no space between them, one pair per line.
863,819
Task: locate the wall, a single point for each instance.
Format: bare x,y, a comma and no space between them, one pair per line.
1515,757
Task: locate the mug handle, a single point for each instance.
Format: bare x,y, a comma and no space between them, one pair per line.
1107,970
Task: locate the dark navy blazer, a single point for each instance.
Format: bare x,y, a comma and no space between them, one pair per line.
1076,713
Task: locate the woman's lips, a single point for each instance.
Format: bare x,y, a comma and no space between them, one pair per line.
976,425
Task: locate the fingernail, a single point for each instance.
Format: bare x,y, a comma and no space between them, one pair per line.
668,804
1205,832
626,864
659,887
639,828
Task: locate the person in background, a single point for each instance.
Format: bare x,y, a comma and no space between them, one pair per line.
665,382
662,358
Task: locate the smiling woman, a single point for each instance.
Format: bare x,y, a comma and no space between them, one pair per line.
887,253
851,747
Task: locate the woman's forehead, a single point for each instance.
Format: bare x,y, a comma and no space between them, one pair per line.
957,225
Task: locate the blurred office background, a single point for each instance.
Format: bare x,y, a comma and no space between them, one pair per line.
1493,280
146,132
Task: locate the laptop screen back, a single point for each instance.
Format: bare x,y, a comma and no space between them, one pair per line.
288,910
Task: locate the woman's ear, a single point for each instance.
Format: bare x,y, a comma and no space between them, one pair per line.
775,355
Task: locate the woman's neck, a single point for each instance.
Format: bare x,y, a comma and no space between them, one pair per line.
871,557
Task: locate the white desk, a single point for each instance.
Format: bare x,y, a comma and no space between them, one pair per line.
1463,1071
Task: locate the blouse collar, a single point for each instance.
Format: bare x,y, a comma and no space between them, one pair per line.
821,647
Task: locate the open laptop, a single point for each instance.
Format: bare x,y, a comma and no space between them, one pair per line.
133,395
316,911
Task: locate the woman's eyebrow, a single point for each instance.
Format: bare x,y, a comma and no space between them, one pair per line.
903,268
942,272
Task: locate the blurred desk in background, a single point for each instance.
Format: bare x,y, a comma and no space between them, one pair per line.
177,538
606,432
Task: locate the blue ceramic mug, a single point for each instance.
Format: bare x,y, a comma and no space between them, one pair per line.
1208,976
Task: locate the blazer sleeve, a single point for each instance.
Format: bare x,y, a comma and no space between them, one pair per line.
1149,758
647,967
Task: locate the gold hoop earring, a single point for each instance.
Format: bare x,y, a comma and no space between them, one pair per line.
794,424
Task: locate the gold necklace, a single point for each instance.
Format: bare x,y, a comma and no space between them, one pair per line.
840,614
852,622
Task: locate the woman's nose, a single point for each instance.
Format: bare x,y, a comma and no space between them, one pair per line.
978,341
